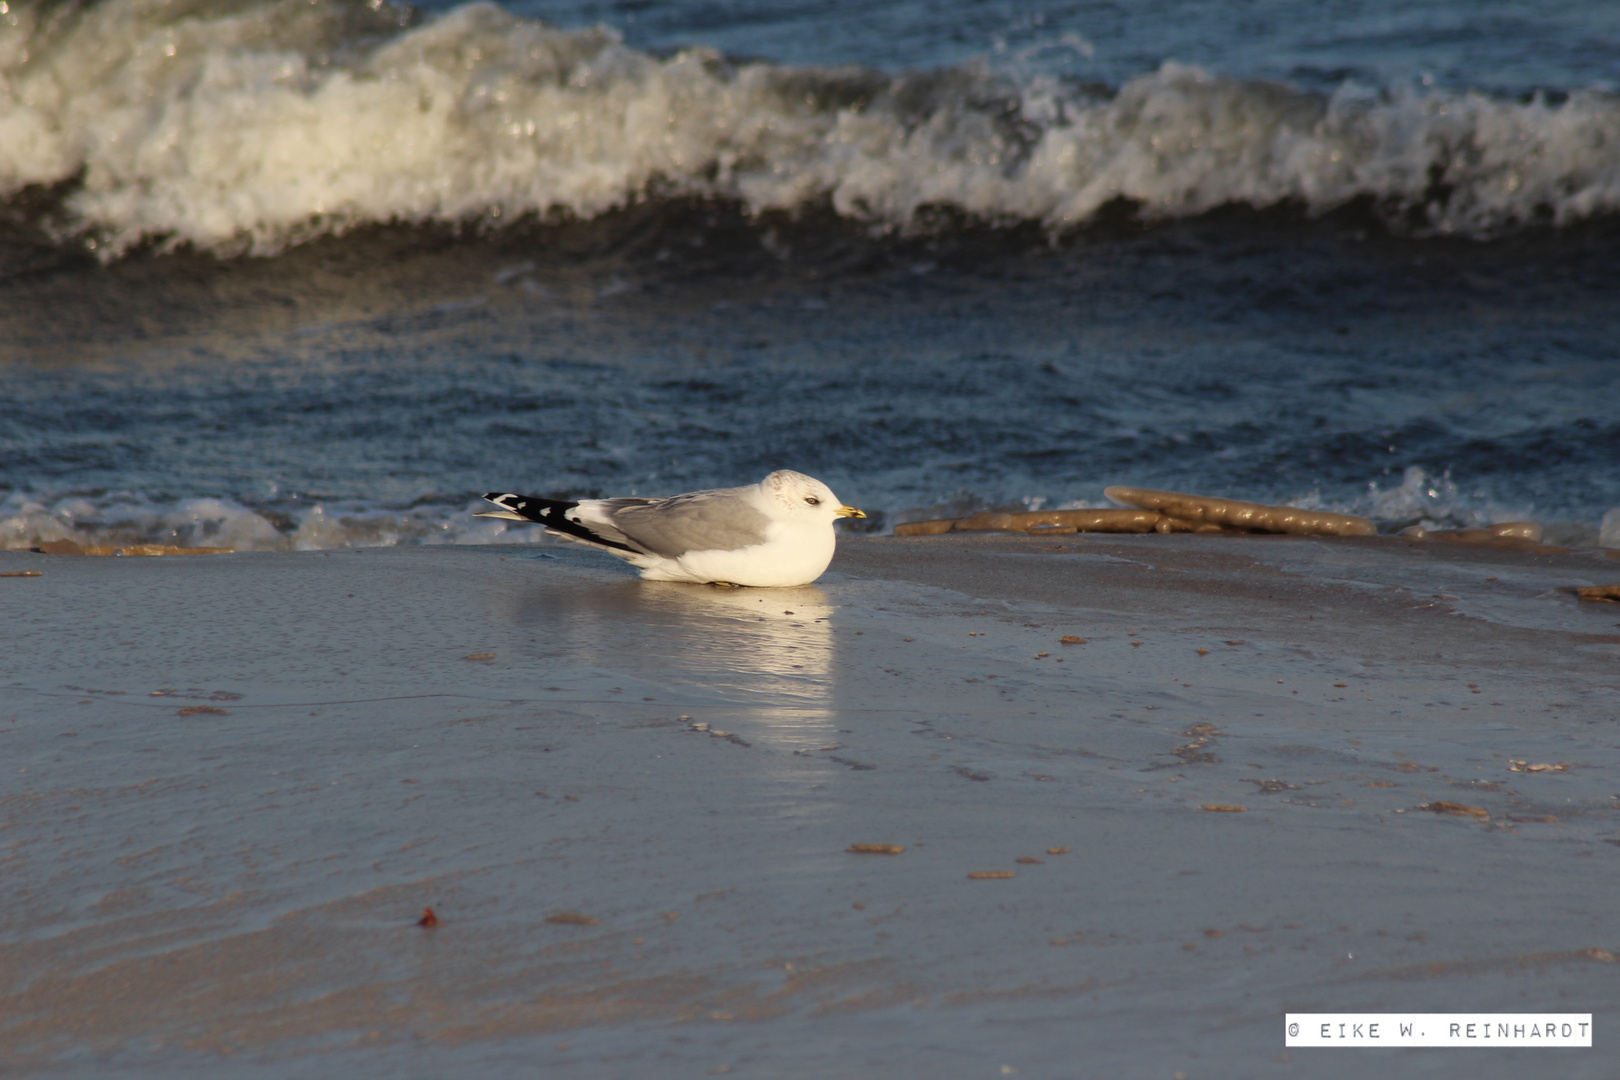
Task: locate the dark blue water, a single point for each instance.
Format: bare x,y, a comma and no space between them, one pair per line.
342,270
1507,47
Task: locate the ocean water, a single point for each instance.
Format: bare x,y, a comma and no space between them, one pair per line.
301,274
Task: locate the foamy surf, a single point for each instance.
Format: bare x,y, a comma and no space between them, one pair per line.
123,518
1420,498
252,126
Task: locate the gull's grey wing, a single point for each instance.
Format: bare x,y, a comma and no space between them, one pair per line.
701,521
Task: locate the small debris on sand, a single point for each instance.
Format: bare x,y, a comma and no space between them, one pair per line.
58,547
1070,639
937,527
1200,513
1455,808
876,849
1043,522
1610,593
73,547
1057,851
1223,808
23,573
204,710
1525,766
1158,511
479,656
990,875
573,918
1506,534
1029,860
428,920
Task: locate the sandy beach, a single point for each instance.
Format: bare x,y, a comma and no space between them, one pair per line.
1153,792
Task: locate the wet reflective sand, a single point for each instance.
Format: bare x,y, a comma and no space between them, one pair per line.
232,783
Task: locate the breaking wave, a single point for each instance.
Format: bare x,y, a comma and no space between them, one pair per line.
240,126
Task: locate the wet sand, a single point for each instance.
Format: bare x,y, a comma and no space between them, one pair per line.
233,783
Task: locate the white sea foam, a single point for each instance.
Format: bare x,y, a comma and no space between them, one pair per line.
1609,529
252,125
1435,502
26,520
123,518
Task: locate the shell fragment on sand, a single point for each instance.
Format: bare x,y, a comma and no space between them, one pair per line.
573,918
875,849
1195,512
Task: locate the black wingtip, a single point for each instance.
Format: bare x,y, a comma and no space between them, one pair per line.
529,509
553,514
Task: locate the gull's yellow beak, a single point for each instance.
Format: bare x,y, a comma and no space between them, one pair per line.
849,511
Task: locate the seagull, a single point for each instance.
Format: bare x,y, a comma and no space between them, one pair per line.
776,533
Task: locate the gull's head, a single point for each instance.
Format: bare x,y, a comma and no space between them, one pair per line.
804,497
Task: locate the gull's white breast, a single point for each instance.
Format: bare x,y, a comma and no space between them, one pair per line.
793,553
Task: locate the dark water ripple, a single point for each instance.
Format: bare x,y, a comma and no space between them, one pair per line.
1003,369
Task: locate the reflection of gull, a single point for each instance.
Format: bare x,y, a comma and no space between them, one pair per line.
777,532
757,662
763,649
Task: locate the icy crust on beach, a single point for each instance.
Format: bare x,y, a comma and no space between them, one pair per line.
249,126
27,520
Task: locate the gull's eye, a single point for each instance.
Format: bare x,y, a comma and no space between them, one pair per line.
812,500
